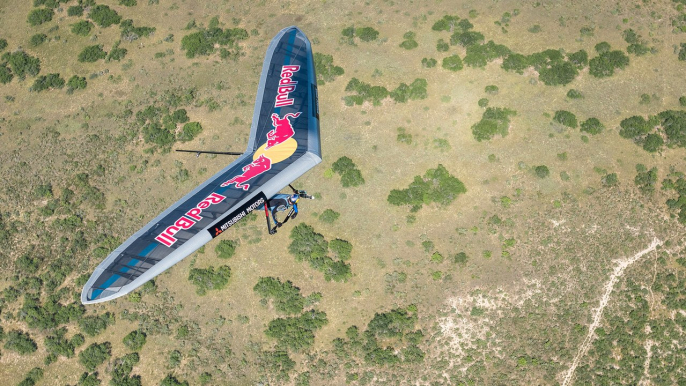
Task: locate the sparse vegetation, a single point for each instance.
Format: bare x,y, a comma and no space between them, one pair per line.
206,279
203,42
325,69
437,186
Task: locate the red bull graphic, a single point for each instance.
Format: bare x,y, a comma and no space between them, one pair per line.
254,169
282,131
167,237
286,85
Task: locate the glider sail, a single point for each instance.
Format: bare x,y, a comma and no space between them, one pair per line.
284,144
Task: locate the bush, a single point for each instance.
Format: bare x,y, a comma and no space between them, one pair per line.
95,355
558,74
447,23
515,62
296,333
478,55
129,32
77,82
122,367
350,175
116,53
442,46
20,342
87,379
495,120
171,380
417,90
603,47
579,59
452,63
429,62
39,16
466,39
542,171
135,340
57,345
49,81
341,248
565,118
634,127
367,34
209,279
128,3
189,131
92,54
5,75
286,296
646,180
682,52
329,216
574,94
365,92
104,16
653,142
226,249
22,64
409,44
682,101
610,180
483,102
82,28
38,39
75,10
604,65
94,325
460,258
592,126
325,69
437,186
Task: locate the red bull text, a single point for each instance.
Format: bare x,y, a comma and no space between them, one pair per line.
167,237
286,85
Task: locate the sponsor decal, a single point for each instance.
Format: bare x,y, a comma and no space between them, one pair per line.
194,215
250,171
286,86
232,218
282,131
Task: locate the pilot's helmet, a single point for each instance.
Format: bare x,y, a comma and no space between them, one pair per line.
294,198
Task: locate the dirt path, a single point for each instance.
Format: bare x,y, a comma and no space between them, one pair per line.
616,274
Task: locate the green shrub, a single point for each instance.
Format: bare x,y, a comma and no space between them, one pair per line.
39,16
592,126
603,47
341,248
20,342
367,34
296,333
365,92
542,171
416,90
129,32
22,64
467,38
189,131
95,355
682,52
610,180
286,296
226,249
171,380
104,16
491,89
565,118
350,175
436,186
442,46
478,55
653,142
209,279
77,82
409,44
495,120
515,62
122,367
128,3
91,379
329,216
646,180
75,10
579,59
116,53
325,69
460,258
682,101
5,75
82,28
447,23
558,74
92,54
3,44
574,94
135,340
634,127
452,63
311,246
94,325
429,62
45,82
38,39
604,65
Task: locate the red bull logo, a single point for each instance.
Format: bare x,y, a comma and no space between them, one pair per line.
250,171
286,85
167,237
282,131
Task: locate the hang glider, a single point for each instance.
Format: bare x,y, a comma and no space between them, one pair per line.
284,144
